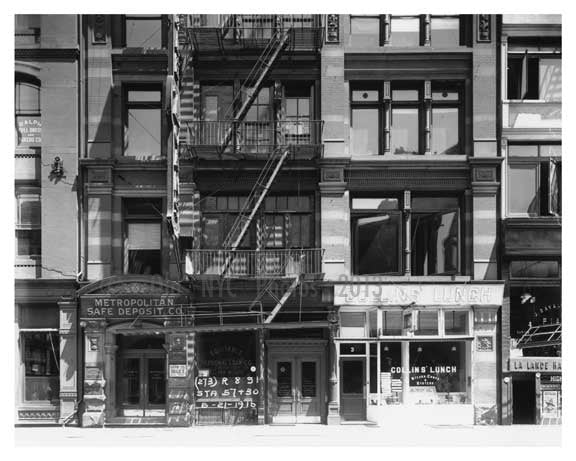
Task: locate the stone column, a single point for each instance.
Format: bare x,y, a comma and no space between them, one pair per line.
94,378
483,368
261,376
68,362
333,394
110,349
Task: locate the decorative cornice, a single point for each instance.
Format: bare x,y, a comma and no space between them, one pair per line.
332,28
47,54
485,188
332,188
132,284
484,34
41,290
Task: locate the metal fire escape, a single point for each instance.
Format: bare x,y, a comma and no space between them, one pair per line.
249,91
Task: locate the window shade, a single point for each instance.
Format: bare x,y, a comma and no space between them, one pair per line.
144,236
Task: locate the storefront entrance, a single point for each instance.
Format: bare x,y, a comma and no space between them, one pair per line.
141,378
296,385
524,401
353,388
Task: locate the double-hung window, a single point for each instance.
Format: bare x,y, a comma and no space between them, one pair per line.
366,120
28,221
534,179
406,118
297,127
143,122
27,108
405,31
143,236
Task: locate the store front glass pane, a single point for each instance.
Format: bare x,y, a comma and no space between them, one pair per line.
445,123
365,131
377,240
438,373
41,359
390,379
522,189
405,31
445,31
404,134
456,322
227,354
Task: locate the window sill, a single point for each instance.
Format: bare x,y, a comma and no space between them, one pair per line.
409,157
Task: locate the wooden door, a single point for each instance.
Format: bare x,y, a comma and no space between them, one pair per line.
353,388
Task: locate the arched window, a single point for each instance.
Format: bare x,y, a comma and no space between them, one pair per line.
27,111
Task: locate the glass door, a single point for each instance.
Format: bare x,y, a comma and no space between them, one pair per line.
296,394
141,384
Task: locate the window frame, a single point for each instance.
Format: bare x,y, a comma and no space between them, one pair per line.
418,104
127,105
55,341
145,218
540,162
34,230
367,105
143,17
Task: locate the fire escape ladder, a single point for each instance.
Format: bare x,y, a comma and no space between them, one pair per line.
254,82
252,205
227,23
283,300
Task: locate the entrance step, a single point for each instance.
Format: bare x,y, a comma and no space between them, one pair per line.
136,421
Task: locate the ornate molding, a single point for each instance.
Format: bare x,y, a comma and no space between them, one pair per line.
332,28
99,30
484,28
39,414
133,284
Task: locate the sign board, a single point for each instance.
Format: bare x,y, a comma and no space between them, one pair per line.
241,392
132,306
535,364
177,371
453,294
29,131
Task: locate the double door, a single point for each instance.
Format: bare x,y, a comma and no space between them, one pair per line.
142,383
295,389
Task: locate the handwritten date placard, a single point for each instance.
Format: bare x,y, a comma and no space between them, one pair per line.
240,392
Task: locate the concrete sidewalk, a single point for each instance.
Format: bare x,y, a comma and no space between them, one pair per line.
301,435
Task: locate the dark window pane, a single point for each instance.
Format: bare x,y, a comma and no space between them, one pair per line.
445,125
30,212
308,379
522,189
352,377
274,231
352,324
365,131
377,244
130,381
435,243
445,31
515,87
29,242
144,32
445,95
144,262
404,134
434,203
405,31
211,236
284,374
27,98
534,269
156,381
456,322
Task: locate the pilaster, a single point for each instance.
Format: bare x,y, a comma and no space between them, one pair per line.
68,361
